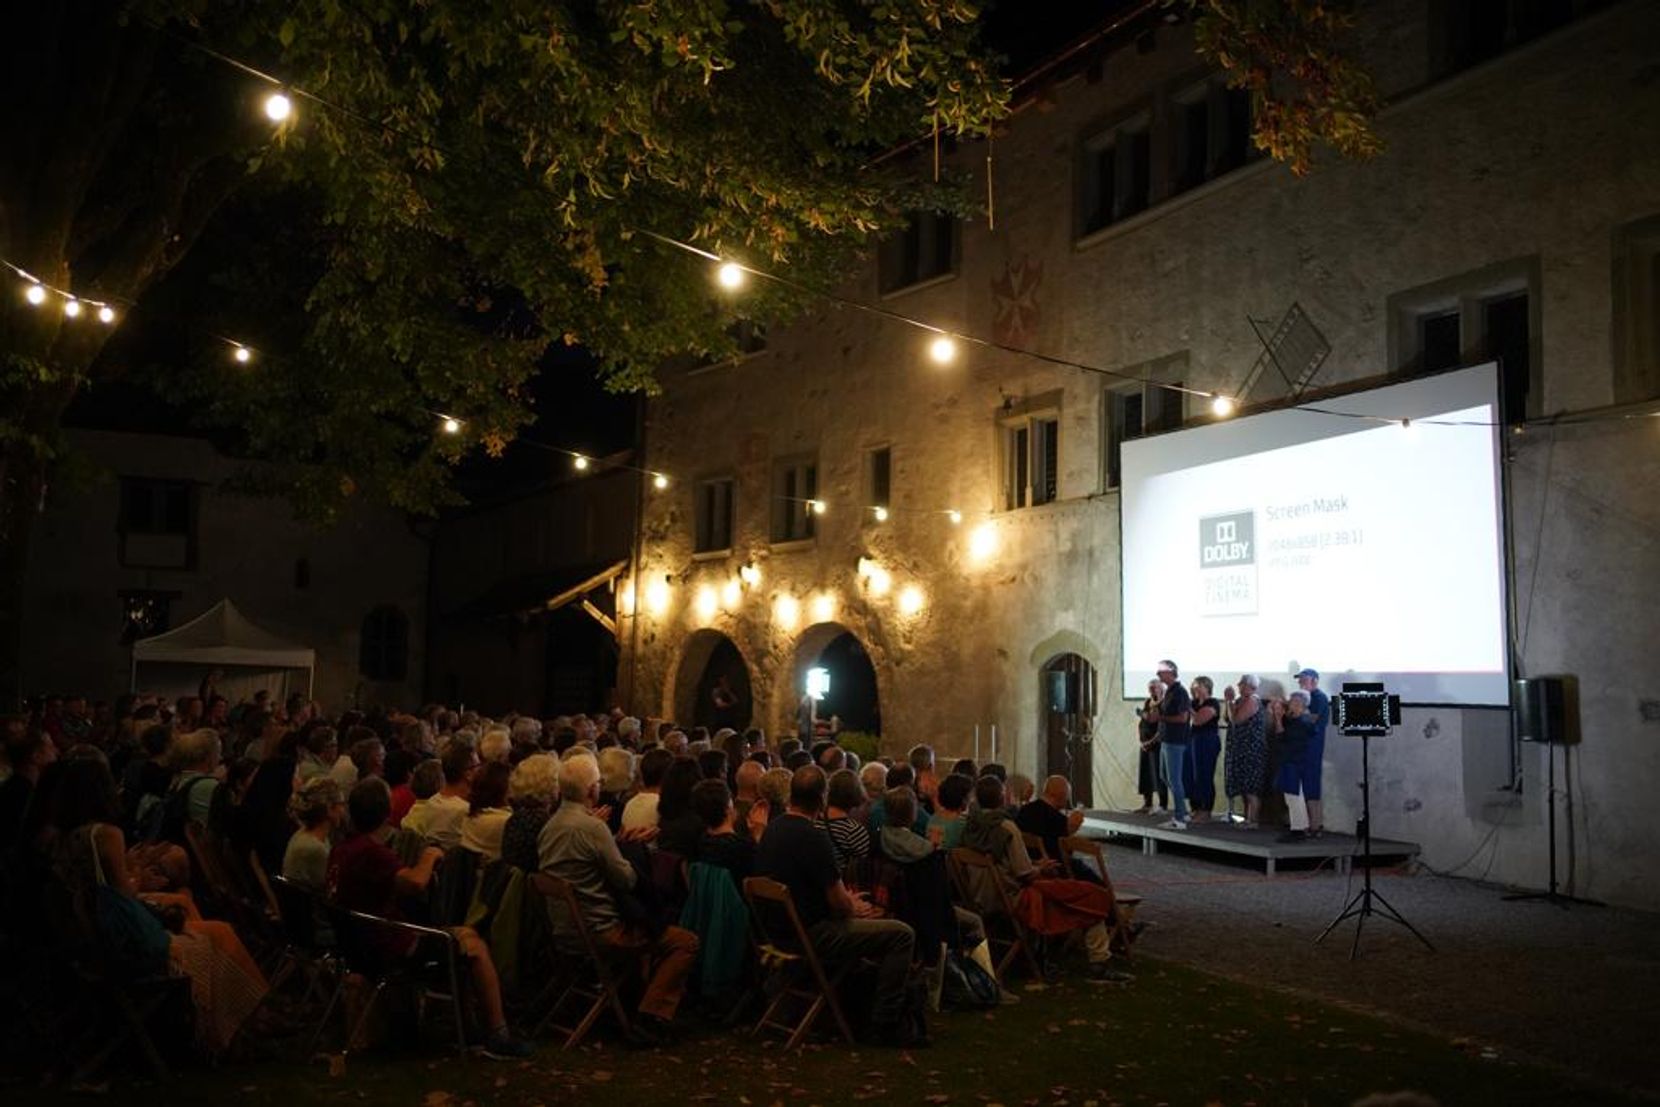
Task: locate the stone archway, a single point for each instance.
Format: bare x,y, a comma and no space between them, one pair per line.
711,683
1067,699
855,694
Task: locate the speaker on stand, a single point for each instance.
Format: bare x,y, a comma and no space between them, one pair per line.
1548,714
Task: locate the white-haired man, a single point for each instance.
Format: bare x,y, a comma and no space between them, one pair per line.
577,847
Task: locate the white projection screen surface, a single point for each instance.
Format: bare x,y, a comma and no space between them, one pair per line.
1369,551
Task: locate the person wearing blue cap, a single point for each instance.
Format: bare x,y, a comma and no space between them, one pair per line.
1319,707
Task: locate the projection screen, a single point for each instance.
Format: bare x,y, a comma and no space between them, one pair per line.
1366,550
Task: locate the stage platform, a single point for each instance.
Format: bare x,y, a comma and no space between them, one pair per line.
1225,837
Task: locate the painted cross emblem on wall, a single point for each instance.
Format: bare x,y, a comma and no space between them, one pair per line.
1014,295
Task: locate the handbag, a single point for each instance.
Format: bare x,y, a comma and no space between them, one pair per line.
133,939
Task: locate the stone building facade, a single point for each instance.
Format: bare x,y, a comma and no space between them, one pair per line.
151,538
1514,214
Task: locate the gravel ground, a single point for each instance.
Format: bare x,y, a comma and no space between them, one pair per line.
1572,988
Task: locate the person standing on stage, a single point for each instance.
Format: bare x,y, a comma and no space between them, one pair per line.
1151,773
1206,747
1295,724
1319,708
1175,732
1245,772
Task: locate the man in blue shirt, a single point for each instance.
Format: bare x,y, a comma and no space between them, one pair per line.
1319,707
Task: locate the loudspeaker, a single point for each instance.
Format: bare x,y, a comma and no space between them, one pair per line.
1063,692
1549,708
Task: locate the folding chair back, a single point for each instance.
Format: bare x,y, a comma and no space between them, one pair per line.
971,868
368,946
1034,846
583,974
784,945
305,950
1120,923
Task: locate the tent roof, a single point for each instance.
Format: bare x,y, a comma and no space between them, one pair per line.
222,635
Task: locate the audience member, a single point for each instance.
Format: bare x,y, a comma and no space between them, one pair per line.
679,827
532,794
945,825
438,818
842,927
320,810
579,849
641,811
487,810
848,836
365,875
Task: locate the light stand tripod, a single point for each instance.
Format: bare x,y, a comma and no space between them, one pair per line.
1561,899
1368,901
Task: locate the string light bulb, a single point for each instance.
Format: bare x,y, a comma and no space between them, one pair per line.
816,506
452,425
581,462
106,314
242,354
71,307
1221,405
943,350
659,481
278,107
731,275
955,516
881,513
910,600
35,294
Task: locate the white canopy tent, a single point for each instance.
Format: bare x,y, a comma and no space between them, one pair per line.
221,638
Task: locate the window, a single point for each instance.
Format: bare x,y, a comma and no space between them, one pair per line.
1031,460
1637,311
157,524
145,613
1487,315
794,490
1463,34
383,652
1116,178
713,507
924,250
1212,126
155,506
1135,410
880,468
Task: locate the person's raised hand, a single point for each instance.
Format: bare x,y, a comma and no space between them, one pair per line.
638,834
602,813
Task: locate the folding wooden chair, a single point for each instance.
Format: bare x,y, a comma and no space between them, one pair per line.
967,866
1121,923
586,975
784,946
1034,847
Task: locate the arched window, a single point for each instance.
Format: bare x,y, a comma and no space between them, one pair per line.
384,651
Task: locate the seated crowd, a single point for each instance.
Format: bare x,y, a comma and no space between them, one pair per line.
155,825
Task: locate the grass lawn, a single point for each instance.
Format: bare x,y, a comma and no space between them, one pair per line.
1174,1036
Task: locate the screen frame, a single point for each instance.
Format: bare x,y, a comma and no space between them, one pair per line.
1362,404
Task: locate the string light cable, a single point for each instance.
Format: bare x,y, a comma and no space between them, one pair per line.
731,275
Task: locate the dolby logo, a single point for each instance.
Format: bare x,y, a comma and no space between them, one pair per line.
1227,540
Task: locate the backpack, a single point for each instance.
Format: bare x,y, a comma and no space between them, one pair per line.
967,985
165,821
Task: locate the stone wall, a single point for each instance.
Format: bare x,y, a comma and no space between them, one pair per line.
1537,158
